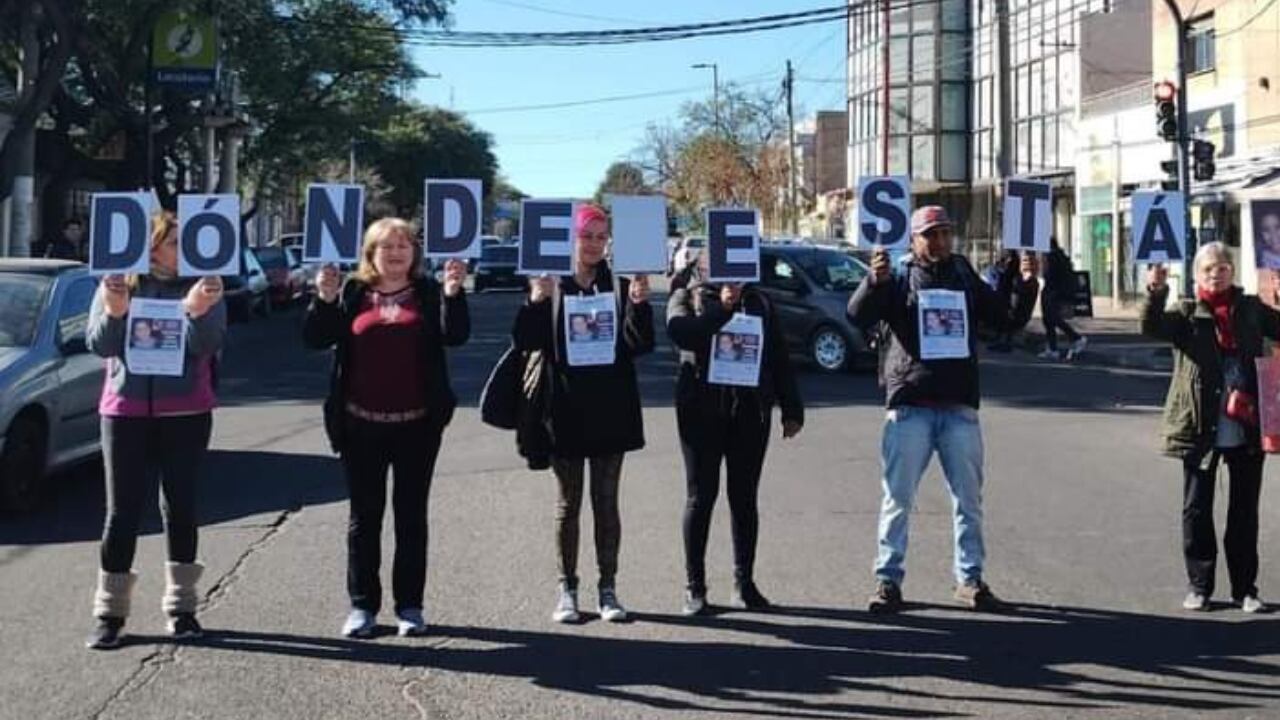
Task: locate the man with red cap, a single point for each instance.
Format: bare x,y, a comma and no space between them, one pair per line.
931,391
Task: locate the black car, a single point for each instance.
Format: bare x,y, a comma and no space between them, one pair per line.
497,268
810,288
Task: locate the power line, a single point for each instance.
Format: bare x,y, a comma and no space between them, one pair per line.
747,80
1246,23
563,13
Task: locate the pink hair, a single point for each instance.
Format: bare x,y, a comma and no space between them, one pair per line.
586,214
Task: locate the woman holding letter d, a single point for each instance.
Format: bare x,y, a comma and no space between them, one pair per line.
1211,416
389,402
726,424
155,430
594,413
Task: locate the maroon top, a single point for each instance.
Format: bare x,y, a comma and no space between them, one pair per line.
388,373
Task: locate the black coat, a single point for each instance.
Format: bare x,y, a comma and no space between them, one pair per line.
328,325
694,316
590,411
909,380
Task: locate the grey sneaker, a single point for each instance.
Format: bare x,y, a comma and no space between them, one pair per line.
566,607
106,634
1195,602
695,603
886,599
359,624
975,595
1077,347
1251,604
410,623
184,626
611,609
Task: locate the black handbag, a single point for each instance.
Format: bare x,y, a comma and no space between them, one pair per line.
500,399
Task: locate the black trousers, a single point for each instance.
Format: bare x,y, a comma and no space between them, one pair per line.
1240,543
141,455
739,442
1051,314
410,449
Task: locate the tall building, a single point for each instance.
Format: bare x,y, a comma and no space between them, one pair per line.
937,80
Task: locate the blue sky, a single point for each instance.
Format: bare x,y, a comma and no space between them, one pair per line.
564,152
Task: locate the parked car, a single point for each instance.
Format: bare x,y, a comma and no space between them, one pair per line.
497,268
810,288
286,280
309,270
687,253
247,292
49,381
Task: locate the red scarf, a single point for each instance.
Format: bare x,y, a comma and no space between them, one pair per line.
1220,303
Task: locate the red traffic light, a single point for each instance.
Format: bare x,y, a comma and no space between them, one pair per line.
1166,91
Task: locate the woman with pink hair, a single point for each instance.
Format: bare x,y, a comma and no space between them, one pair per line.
594,410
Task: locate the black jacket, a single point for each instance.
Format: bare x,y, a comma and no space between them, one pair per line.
1193,404
907,379
328,325
591,411
694,315
1059,276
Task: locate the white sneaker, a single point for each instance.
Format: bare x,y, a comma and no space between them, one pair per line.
567,607
1251,604
1079,345
410,623
694,603
1049,355
610,609
359,624
1195,601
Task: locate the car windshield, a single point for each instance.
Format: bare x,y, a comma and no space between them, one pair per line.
833,270
272,258
499,255
22,299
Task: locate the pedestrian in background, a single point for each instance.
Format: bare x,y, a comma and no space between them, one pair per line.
1005,266
155,433
1055,299
594,410
726,425
388,405
67,245
933,401
1211,415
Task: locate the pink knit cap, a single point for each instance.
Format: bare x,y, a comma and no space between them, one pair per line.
586,214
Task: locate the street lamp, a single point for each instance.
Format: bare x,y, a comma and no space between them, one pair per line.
715,87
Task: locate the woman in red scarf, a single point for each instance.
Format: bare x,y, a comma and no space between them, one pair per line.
1211,416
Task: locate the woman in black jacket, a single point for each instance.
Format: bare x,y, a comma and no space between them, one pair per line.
389,402
593,408
726,424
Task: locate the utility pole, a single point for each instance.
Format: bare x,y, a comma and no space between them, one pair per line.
715,88
1004,154
1180,144
789,85
228,178
210,145
23,197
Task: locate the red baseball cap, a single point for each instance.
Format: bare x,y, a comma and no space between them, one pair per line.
929,216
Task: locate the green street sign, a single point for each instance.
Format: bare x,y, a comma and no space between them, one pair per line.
184,51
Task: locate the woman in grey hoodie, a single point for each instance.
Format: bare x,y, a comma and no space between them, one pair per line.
155,430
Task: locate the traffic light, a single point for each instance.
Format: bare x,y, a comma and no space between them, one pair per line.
1170,168
1202,159
1166,96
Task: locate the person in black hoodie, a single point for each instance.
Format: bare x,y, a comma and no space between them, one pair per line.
592,410
726,424
1055,299
389,402
931,390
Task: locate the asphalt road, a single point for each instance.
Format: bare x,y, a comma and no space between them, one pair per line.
1082,529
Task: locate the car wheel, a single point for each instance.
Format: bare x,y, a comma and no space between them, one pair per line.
22,464
829,349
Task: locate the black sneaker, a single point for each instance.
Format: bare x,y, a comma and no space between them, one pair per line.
183,626
106,635
886,599
975,595
748,597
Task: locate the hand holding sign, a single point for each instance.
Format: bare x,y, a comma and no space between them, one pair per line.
541,288
879,266
203,296
1157,278
455,274
639,292
328,283
730,293
115,296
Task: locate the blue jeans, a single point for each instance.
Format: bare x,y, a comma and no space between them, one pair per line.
911,435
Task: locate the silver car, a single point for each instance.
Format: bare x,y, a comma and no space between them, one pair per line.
49,381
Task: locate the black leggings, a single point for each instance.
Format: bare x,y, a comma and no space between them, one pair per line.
739,442
1240,542
410,449
140,454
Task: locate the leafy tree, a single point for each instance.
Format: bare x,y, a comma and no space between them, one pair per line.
622,178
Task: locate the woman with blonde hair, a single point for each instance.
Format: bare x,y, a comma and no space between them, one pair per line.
155,430
389,402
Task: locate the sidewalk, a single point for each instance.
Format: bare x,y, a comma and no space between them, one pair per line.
1114,339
